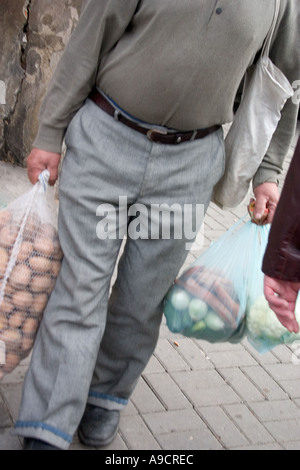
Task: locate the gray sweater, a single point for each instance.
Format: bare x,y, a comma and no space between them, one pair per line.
176,63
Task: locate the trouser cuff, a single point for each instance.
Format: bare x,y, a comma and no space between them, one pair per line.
43,432
107,402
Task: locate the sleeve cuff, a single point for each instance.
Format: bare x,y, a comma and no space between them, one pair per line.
49,139
265,176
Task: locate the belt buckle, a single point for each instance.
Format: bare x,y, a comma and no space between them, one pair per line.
151,132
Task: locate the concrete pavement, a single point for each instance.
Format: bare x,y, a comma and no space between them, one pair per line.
193,395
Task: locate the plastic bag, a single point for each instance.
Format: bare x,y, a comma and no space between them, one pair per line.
209,300
263,329
30,261
221,296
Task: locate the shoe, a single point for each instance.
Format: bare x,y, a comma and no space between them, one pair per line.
35,444
98,427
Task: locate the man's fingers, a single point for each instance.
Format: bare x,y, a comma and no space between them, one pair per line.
40,160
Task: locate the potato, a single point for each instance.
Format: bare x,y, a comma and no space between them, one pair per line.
27,346
22,299
55,268
26,250
6,307
12,339
31,227
17,318
41,284
57,254
30,327
8,235
39,303
9,291
5,217
39,264
3,322
3,261
44,246
20,276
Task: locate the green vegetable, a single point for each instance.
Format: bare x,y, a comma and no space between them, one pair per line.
214,322
199,326
198,309
180,300
262,323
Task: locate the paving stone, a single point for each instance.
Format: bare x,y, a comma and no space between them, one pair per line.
154,366
136,435
266,358
231,358
168,391
291,387
144,399
192,354
189,440
174,421
223,427
248,424
8,441
242,384
169,357
284,371
292,445
205,388
266,384
280,410
5,419
12,395
262,447
285,431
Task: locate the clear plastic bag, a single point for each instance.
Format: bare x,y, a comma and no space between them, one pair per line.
263,329
209,300
221,296
30,261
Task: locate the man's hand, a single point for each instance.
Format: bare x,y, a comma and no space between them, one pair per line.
40,160
282,297
267,197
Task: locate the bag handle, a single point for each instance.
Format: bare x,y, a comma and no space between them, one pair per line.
267,44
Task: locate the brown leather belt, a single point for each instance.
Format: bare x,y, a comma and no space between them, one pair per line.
167,138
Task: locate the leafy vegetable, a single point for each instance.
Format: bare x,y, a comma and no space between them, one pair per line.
264,327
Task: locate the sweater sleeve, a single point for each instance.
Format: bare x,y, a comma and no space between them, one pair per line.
282,257
285,55
101,24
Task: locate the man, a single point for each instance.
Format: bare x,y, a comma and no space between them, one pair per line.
166,74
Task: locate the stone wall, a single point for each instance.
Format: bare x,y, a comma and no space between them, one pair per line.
33,36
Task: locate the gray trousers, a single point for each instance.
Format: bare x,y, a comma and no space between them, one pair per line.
93,346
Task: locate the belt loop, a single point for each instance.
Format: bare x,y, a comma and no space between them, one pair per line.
117,115
194,135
